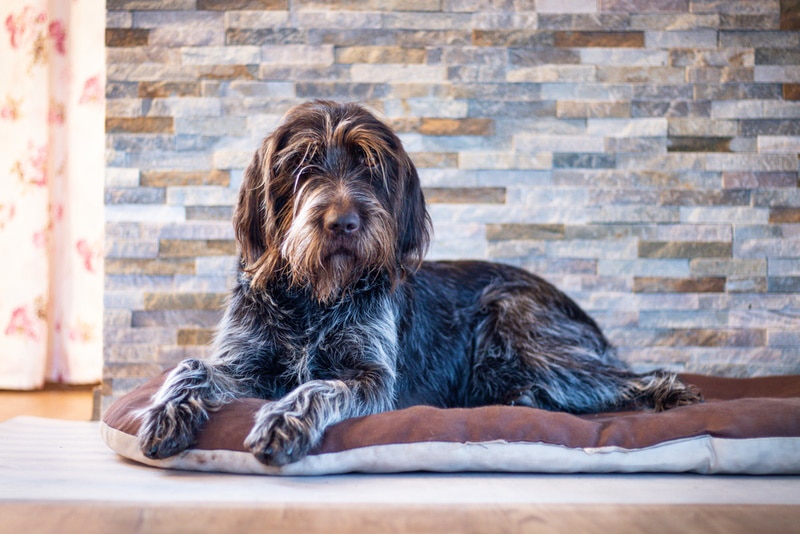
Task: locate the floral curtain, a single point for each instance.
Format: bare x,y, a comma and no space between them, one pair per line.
51,191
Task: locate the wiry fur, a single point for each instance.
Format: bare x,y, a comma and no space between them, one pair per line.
335,315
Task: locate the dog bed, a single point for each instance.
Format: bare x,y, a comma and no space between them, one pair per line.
746,426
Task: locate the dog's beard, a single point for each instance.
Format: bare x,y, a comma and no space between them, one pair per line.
330,266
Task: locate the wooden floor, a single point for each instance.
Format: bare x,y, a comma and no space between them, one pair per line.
54,401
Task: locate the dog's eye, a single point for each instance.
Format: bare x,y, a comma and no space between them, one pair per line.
369,158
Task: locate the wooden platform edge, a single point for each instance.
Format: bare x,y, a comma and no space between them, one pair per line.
91,517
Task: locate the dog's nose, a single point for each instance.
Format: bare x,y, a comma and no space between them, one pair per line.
342,223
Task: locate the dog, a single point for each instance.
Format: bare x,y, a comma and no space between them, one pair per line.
335,314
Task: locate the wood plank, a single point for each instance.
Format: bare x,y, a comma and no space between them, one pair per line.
586,518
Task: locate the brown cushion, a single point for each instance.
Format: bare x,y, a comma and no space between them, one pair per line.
746,426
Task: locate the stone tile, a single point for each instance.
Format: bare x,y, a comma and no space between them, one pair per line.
684,319
647,6
209,213
183,301
623,56
754,180
784,338
154,266
784,267
737,91
620,249
681,39
248,5
481,195
495,161
503,232
627,127
756,318
265,36
513,38
677,268
783,284
558,143
552,73
126,37
777,56
436,126
759,39
699,144
583,39
734,6
121,177
363,73
256,19
353,20
779,144
715,214
140,125
178,248
767,248
380,54
167,5
184,178
791,91
719,75
167,89
566,6
144,213
583,161
578,109
134,195
783,73
739,162
746,284
705,198
584,21
498,20
517,110
195,336
777,198
784,216
678,285
767,21
525,57
675,21
790,15
693,127
184,318
683,249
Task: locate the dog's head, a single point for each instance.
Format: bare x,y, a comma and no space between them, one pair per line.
330,197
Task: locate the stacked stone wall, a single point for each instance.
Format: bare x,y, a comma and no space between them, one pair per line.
642,155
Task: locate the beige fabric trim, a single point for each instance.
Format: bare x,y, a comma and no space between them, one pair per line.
703,454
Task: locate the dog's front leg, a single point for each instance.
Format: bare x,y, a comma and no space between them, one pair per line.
180,407
287,429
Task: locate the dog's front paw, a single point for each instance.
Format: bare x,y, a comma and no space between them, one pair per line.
278,439
165,432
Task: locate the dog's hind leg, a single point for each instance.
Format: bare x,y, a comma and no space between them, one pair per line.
536,347
180,407
659,390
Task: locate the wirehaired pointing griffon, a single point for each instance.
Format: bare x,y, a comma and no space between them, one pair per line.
334,314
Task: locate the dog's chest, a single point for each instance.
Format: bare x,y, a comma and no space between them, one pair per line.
323,343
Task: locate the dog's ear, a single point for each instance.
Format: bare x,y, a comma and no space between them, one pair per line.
414,223
252,221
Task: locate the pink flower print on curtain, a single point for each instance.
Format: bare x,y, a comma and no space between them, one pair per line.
51,184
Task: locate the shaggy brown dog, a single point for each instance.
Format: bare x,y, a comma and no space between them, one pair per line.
335,315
